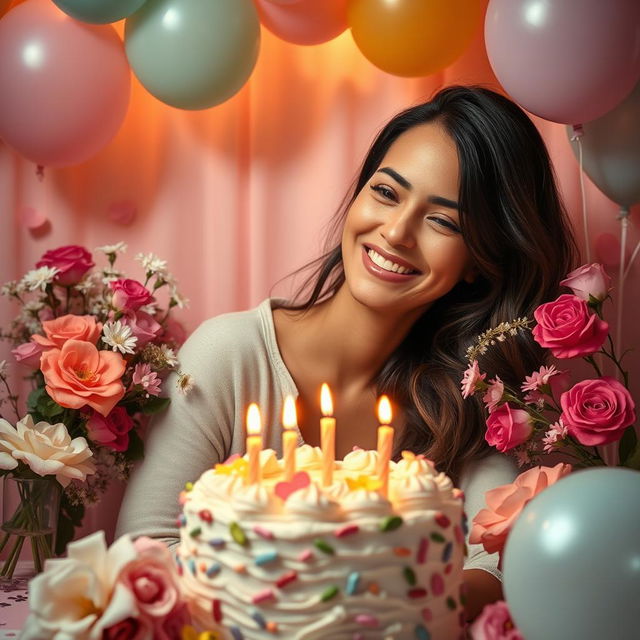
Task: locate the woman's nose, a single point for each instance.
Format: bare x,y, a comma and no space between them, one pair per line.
398,228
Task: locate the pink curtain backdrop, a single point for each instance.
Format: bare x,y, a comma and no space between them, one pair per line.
237,196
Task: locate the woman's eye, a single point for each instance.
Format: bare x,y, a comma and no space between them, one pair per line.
446,223
385,192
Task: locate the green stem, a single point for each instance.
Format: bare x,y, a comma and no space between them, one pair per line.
594,364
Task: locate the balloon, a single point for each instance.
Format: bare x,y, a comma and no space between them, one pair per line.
304,21
611,150
568,61
413,37
99,11
572,560
65,85
7,5
195,54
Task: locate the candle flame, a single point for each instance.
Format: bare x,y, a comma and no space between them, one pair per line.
254,421
289,416
326,403
384,410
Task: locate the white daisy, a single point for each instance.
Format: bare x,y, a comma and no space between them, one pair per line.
185,383
169,355
119,247
152,264
39,278
119,337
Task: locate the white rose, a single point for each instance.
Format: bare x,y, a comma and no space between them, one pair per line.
46,448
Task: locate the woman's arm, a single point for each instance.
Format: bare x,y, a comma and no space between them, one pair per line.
482,588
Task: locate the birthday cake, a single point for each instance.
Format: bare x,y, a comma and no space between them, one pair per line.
300,560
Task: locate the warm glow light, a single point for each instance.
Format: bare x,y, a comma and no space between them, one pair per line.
384,410
254,422
289,417
326,403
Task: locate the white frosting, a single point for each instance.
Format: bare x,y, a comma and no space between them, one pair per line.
308,458
311,503
361,460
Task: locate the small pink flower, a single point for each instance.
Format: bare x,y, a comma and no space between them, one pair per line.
493,394
143,326
568,329
597,411
129,295
112,430
28,354
471,379
494,623
557,431
72,262
588,280
148,379
539,378
508,427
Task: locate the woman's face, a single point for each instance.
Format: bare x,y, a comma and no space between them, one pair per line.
401,244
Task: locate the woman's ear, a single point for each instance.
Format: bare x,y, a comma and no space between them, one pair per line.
471,274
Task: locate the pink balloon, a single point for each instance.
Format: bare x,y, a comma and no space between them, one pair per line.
65,85
568,61
304,21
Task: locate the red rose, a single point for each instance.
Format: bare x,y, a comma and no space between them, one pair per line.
112,430
568,328
71,261
508,427
129,295
597,411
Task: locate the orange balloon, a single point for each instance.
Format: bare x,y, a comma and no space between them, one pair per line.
7,5
414,37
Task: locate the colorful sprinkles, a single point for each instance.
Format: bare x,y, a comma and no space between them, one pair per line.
236,633
410,576
213,570
390,523
323,546
286,578
422,633
328,593
367,620
353,581
238,534
216,610
258,618
266,557
263,596
437,537
346,530
262,532
305,556
217,543
423,547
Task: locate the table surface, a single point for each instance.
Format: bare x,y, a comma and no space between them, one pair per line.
14,605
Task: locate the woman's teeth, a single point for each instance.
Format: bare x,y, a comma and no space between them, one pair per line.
385,264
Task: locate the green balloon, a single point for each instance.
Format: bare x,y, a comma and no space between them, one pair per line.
99,11
194,54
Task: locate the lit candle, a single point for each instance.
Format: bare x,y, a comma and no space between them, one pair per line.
254,443
327,435
289,437
385,443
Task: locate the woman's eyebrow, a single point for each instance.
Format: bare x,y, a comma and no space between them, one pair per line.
403,182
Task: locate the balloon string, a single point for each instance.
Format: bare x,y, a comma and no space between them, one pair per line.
578,132
631,259
624,226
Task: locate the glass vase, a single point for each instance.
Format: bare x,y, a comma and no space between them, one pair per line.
30,508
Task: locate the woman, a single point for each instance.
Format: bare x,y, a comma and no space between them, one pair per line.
453,226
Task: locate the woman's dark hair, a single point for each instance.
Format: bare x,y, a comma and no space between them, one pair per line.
516,230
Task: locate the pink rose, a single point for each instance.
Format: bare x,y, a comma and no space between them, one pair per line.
127,629
588,280
568,328
129,295
71,261
597,411
143,326
28,354
508,427
79,375
152,579
174,332
69,327
494,623
112,430
491,526
493,395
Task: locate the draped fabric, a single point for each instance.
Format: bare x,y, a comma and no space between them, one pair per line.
238,196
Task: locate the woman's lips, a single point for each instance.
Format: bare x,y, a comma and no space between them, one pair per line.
387,267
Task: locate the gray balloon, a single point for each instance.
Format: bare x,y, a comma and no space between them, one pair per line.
611,150
572,560
193,54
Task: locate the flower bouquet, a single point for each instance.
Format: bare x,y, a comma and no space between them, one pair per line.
97,346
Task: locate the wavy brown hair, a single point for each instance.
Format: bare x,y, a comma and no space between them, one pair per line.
517,232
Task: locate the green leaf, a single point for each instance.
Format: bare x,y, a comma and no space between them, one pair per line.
135,451
70,517
34,398
155,405
629,449
49,408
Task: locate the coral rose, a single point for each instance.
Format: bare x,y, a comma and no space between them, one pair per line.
507,427
79,375
71,261
589,280
69,327
129,295
28,354
494,623
112,430
597,411
568,328
491,526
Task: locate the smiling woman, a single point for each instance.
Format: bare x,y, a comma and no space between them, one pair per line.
453,225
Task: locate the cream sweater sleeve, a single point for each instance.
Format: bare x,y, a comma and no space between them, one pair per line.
481,476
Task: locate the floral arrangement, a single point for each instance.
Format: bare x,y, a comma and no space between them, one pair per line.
547,415
127,591
97,347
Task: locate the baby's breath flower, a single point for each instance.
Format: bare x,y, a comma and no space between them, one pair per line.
178,300
185,383
33,306
119,337
39,278
169,355
150,308
119,247
12,288
152,264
